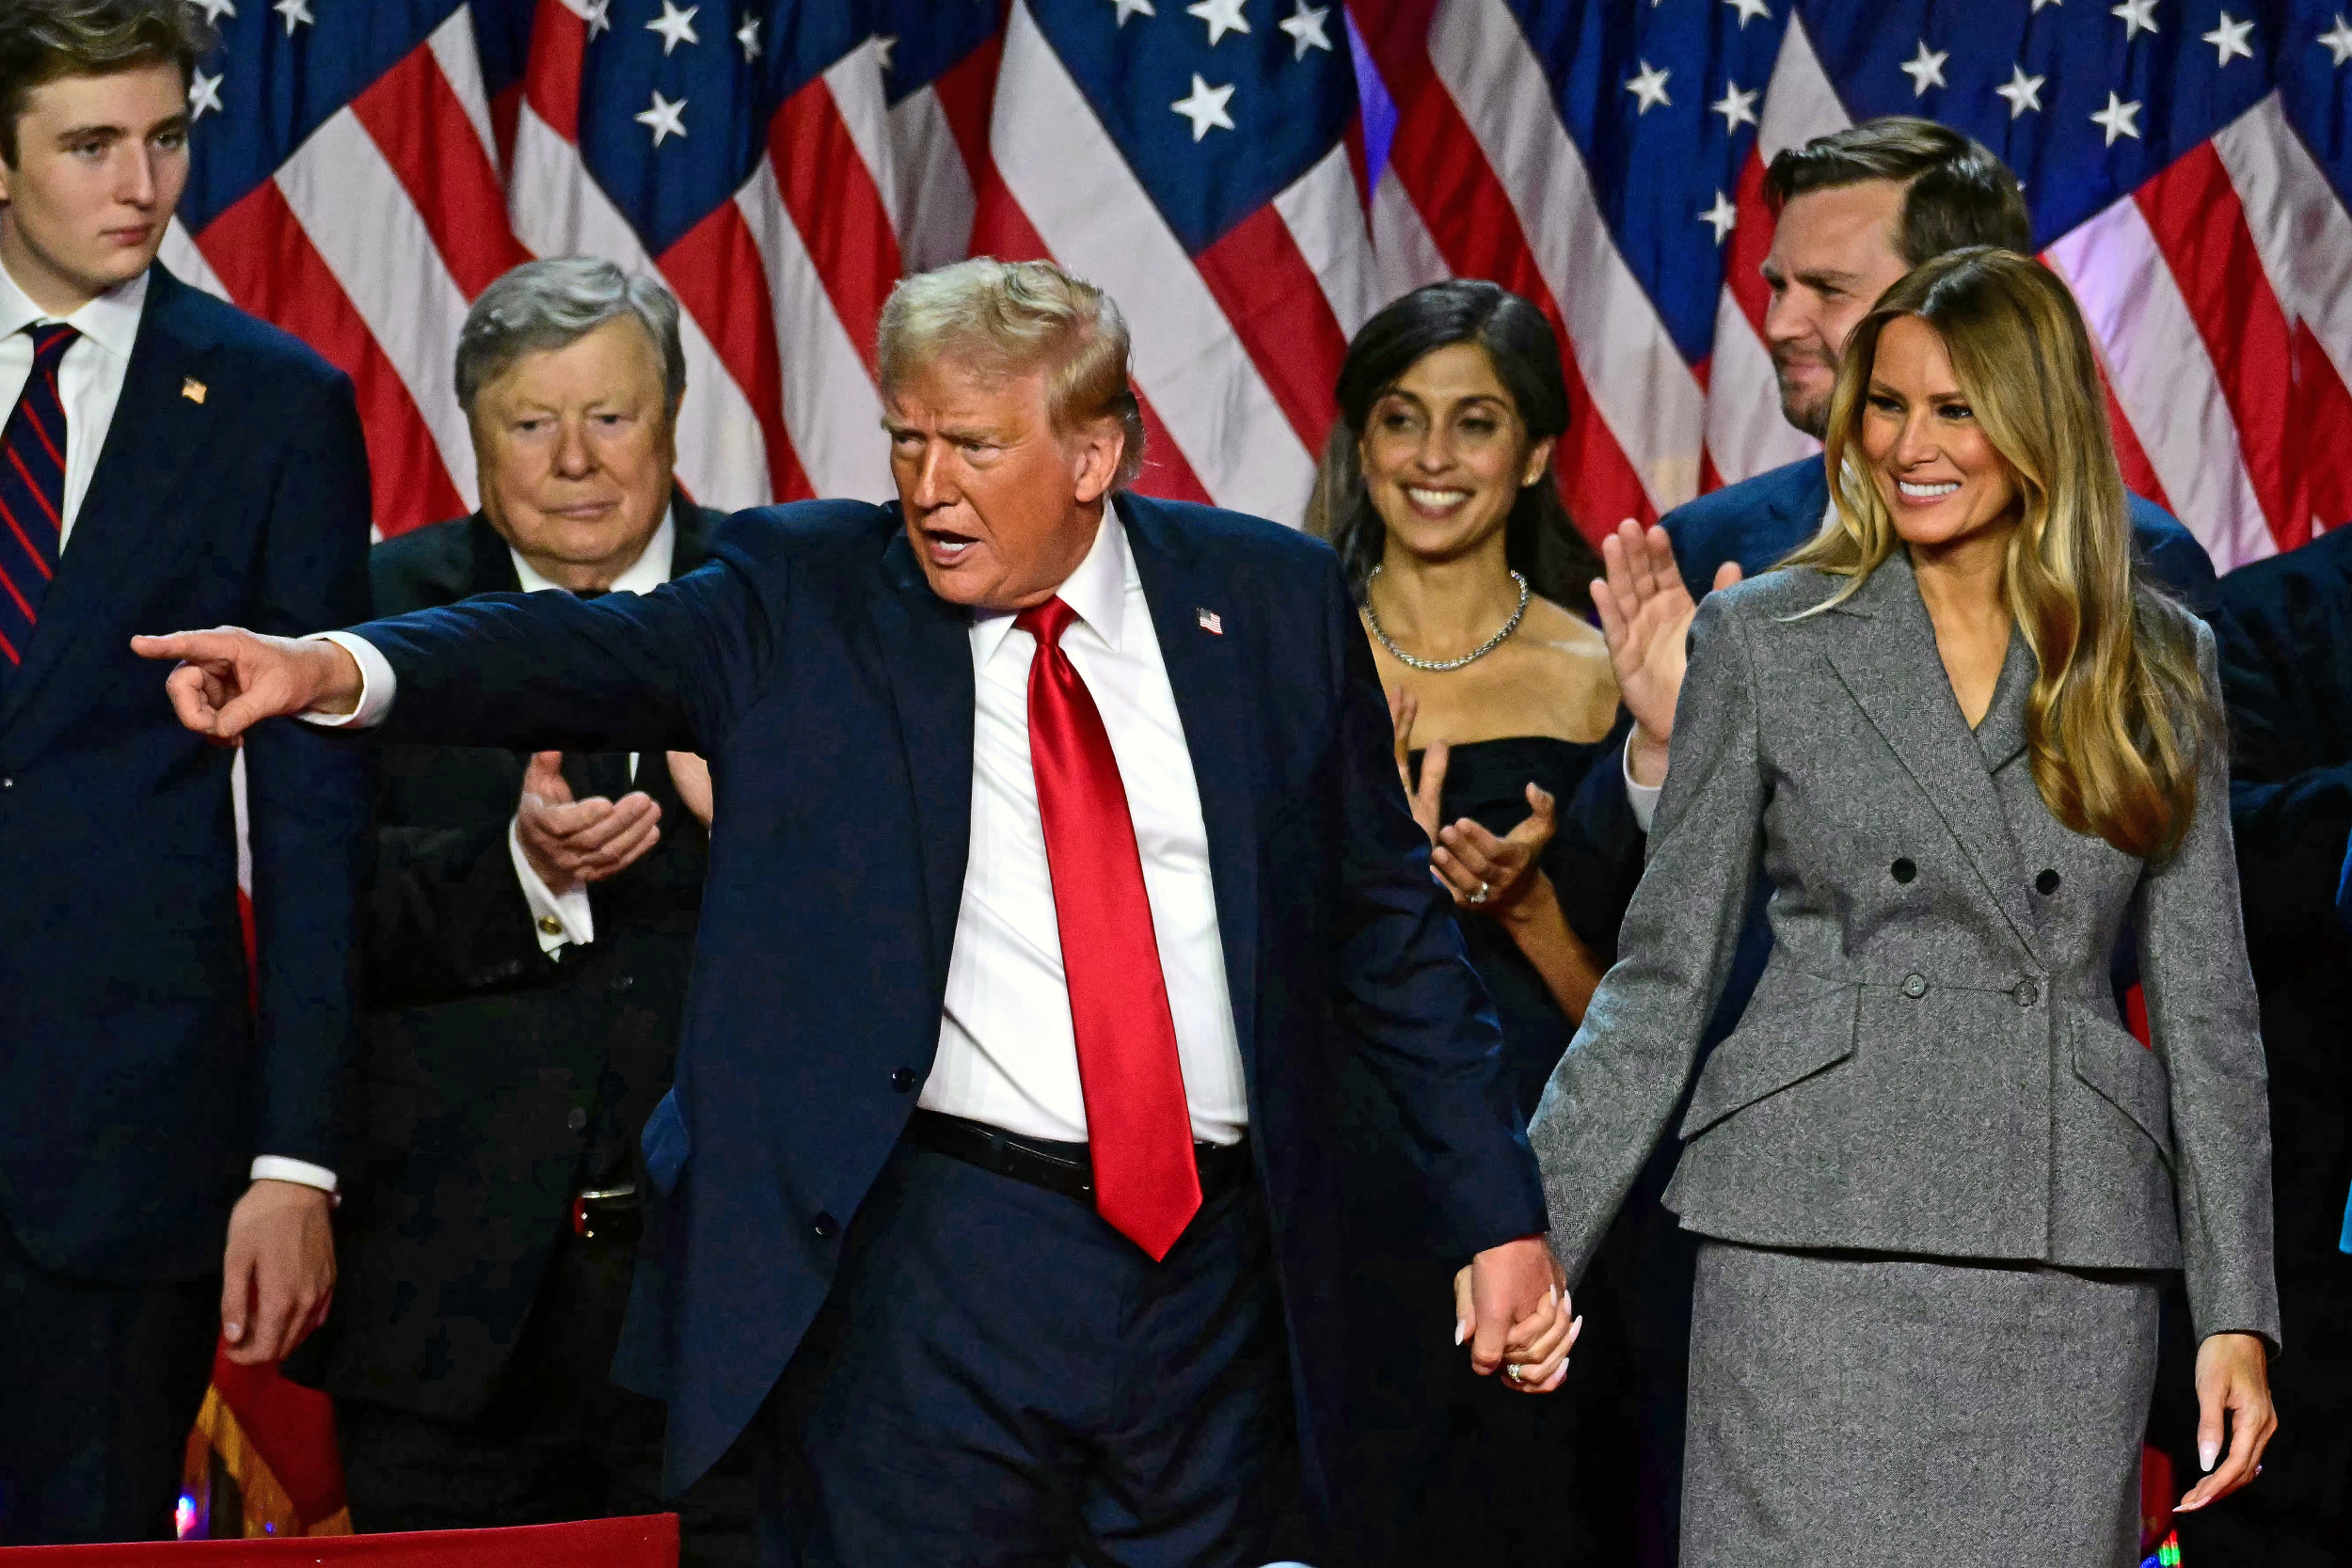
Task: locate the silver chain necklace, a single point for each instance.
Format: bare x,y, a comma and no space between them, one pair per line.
1371,618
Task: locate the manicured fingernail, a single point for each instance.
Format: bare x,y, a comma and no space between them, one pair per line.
1461,1332
2207,1451
233,1333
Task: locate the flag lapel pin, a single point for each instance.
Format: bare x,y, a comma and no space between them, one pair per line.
192,389
1211,622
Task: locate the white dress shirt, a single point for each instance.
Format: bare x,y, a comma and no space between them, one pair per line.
1007,1054
89,377
90,384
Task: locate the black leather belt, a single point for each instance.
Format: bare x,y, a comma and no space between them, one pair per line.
1058,1167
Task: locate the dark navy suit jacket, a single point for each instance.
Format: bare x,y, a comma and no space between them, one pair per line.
1756,523
135,1085
2284,630
833,692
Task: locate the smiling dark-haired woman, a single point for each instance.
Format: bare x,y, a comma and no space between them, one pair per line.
1436,488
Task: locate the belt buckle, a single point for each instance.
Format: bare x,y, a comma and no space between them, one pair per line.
584,1216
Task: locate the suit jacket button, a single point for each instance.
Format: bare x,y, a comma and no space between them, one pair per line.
825,1227
2047,883
577,1119
622,982
1902,870
902,1080
2026,993
1914,985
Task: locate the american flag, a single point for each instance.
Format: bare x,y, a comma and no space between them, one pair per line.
1252,179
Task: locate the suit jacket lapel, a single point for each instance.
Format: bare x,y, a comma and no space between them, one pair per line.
1882,650
926,649
124,532
1221,722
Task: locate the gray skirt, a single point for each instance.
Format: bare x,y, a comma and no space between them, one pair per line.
1851,1411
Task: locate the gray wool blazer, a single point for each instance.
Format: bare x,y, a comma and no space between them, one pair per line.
1933,1063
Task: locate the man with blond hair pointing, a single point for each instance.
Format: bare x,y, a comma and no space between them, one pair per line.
1060,865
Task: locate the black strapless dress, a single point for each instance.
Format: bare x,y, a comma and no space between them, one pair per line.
1444,1467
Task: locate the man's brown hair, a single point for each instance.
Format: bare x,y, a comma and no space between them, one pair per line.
1957,195
42,40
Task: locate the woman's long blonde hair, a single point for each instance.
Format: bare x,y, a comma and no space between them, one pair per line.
2119,715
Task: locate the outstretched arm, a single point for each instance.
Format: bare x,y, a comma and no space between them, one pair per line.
659,672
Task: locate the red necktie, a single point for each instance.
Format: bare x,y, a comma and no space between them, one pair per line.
1146,1183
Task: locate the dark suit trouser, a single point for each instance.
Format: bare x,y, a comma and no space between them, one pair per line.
999,1378
99,1386
557,1441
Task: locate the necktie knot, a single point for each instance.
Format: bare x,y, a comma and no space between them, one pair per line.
1046,621
50,341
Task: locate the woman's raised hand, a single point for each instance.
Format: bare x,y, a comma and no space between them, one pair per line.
1422,798
1645,614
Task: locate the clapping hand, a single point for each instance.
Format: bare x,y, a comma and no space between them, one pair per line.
1645,612
1480,870
691,775
570,842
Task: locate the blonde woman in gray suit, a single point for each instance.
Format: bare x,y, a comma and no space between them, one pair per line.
1938,1180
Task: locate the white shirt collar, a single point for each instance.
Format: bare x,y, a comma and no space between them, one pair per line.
1097,591
649,571
111,321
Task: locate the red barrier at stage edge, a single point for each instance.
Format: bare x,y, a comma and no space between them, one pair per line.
646,1540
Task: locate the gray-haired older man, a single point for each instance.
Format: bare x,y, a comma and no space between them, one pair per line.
1061,866
527,940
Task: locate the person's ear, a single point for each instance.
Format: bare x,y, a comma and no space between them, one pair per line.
1538,462
1098,449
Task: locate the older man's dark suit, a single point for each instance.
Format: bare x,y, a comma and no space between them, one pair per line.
1642,1278
498,1080
136,1082
2284,627
833,693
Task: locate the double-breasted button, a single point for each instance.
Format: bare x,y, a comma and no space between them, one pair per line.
2047,883
1902,870
2026,993
1914,985
577,1119
824,1227
903,1080
623,982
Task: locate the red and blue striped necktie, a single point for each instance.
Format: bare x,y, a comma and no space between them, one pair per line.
32,493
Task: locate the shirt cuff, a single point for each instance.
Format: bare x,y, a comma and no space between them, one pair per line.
376,684
557,917
276,1167
1641,797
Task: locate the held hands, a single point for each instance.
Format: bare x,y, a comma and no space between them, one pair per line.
278,1277
571,843
1512,1305
1480,870
2233,1377
1645,612
231,679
